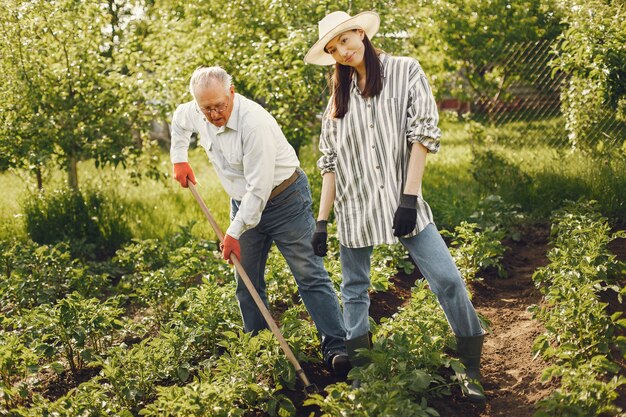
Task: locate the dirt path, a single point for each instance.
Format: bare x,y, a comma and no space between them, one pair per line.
511,376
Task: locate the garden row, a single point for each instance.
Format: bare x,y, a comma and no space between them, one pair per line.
156,331
584,339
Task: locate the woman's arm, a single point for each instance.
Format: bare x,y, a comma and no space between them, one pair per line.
327,197
415,171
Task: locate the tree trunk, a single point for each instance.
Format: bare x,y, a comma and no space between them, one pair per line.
72,172
39,178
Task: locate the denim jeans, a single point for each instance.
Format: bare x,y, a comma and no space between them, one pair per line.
433,258
288,221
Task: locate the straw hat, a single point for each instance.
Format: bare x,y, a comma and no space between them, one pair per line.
334,24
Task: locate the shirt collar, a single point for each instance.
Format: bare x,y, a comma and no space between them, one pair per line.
383,62
233,120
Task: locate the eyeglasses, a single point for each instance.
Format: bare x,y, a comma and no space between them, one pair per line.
219,109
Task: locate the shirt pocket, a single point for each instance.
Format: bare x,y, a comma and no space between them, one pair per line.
234,157
391,125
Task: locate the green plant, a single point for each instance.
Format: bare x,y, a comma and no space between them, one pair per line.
475,250
17,362
78,328
92,223
88,399
40,274
496,214
580,335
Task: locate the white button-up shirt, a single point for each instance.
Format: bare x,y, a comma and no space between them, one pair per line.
369,148
250,154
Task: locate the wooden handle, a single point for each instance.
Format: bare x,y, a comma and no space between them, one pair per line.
255,295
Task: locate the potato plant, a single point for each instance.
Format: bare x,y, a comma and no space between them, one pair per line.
580,333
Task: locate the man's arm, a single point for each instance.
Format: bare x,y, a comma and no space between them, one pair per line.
181,130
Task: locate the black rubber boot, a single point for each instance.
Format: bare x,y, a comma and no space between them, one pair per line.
351,347
469,350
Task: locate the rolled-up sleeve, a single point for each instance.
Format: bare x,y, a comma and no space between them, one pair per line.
422,114
181,129
328,142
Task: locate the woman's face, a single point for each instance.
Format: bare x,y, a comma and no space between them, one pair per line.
348,48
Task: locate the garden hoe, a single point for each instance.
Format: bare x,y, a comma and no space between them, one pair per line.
308,386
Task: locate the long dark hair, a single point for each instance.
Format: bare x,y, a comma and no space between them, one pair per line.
340,83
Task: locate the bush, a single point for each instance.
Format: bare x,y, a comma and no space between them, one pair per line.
91,223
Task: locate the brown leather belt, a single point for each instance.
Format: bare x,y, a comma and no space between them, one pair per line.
283,185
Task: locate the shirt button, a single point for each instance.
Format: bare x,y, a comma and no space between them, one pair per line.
377,166
373,147
369,105
371,125
382,186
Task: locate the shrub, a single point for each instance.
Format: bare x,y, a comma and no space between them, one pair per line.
92,223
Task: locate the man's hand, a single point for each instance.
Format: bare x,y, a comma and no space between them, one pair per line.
182,171
230,245
405,219
320,236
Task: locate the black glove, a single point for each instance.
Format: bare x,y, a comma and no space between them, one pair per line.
319,238
405,219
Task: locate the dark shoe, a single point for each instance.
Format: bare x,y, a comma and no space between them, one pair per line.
469,350
340,364
352,345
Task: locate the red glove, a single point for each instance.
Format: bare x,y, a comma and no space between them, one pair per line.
182,171
230,245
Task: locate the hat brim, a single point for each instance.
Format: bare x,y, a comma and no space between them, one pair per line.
368,21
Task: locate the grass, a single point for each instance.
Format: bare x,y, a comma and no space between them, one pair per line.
156,209
153,209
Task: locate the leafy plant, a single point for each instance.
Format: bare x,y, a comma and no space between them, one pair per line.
78,328
92,223
41,274
475,250
17,362
580,334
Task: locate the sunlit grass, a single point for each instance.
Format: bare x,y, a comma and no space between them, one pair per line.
156,209
153,209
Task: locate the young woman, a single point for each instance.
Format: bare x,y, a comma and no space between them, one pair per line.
378,127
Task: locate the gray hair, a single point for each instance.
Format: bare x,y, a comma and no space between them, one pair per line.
204,76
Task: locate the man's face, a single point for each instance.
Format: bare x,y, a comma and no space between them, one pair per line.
215,102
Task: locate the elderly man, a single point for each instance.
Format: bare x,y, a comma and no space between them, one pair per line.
270,200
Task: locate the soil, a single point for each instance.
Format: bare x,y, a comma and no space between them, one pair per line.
511,375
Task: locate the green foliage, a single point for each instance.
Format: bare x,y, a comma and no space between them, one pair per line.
407,353
458,41
475,250
204,313
233,385
71,89
17,362
89,399
593,51
34,275
92,223
495,214
498,175
158,272
580,334
77,328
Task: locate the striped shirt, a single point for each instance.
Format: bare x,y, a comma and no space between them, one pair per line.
369,148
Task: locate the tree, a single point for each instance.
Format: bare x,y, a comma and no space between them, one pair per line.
593,52
261,43
461,42
68,93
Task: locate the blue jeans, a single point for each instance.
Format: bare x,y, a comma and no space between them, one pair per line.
433,258
288,221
